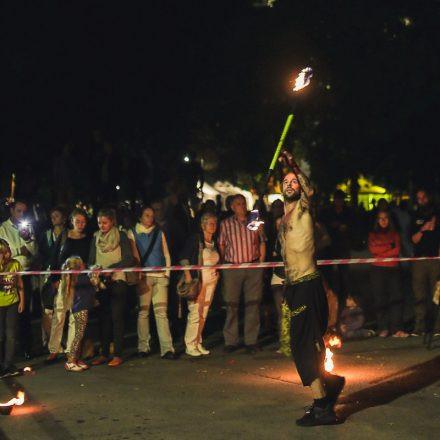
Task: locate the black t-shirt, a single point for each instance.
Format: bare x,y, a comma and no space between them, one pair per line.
429,244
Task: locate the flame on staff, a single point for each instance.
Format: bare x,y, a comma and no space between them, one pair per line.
19,400
328,363
303,79
334,341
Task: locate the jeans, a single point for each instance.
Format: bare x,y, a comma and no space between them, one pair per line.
154,290
8,330
251,282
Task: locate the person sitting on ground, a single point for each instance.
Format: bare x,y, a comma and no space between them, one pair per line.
352,320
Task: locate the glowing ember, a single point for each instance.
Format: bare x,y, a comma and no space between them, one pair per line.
328,363
19,400
303,79
27,369
334,341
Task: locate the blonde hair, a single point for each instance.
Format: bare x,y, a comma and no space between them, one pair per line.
206,216
69,280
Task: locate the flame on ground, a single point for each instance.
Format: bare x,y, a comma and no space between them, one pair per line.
27,369
303,79
19,400
328,363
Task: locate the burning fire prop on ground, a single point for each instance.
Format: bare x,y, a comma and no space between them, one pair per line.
333,341
6,408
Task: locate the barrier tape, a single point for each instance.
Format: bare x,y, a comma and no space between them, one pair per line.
264,265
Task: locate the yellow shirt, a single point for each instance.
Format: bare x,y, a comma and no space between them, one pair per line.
8,283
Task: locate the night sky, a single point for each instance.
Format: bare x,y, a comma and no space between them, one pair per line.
212,78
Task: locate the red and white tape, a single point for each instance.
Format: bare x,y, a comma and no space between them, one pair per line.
218,266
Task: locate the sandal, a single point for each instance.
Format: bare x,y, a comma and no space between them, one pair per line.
82,364
72,366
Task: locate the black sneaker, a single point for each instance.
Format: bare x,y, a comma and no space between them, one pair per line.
316,416
170,356
10,371
229,348
143,354
334,384
252,349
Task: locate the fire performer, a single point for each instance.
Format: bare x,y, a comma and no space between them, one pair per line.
306,298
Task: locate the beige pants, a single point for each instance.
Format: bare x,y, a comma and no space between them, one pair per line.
60,308
154,290
197,312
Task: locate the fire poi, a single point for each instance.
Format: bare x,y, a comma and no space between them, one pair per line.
6,408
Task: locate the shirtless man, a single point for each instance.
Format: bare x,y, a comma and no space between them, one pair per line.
306,298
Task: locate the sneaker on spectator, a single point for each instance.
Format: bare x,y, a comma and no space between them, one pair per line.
400,334
115,362
203,350
51,359
193,352
100,360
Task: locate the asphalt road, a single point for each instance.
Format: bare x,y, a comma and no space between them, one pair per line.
392,392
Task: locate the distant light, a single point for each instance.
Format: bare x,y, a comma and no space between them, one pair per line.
118,187
328,86
407,21
186,159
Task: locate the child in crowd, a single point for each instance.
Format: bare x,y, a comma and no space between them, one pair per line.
11,304
79,291
352,320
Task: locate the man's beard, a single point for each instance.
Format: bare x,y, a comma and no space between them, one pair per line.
295,196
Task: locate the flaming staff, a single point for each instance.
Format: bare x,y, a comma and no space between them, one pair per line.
302,81
6,408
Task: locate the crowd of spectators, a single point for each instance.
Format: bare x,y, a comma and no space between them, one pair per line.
172,231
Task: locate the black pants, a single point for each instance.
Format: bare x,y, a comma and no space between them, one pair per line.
388,298
308,306
8,330
111,317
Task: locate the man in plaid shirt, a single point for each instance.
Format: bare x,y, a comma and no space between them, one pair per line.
238,244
